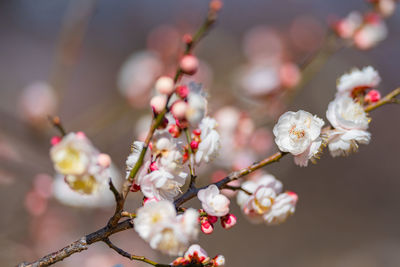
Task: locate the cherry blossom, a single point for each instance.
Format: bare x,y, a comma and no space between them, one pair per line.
213,202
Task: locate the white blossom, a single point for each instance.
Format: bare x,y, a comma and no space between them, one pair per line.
100,197
365,78
158,224
161,184
73,154
371,33
284,206
299,133
350,122
213,202
167,150
346,27
197,104
133,157
266,203
210,141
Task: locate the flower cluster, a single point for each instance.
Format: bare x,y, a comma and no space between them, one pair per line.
196,255
366,31
300,133
84,168
157,223
266,203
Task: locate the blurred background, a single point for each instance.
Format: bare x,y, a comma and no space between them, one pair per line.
93,63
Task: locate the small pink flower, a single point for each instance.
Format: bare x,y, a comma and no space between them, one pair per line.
219,260
194,144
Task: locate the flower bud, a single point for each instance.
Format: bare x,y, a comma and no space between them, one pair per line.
212,219
135,187
165,85
55,140
174,130
372,96
207,227
104,160
228,221
179,109
197,132
194,144
158,103
189,64
153,166
187,38
182,91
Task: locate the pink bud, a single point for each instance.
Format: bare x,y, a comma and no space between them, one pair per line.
187,38
165,85
290,75
189,64
153,166
174,130
207,227
182,91
158,103
194,144
55,140
135,187
228,221
197,132
179,109
372,96
104,160
293,195
81,135
212,219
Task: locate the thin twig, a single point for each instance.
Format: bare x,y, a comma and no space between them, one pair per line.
388,99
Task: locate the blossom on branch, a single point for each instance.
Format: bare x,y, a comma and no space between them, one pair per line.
197,255
266,203
299,134
158,224
350,124
210,141
213,202
357,81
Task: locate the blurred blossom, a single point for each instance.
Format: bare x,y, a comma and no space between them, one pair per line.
43,185
35,203
259,79
371,33
37,101
306,33
137,76
6,178
165,40
142,126
204,75
102,197
262,43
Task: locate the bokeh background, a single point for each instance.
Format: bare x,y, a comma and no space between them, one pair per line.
348,210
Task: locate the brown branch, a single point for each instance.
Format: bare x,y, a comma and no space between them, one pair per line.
132,257
79,245
389,98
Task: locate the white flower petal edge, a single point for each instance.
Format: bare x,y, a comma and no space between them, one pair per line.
213,202
299,134
350,122
158,224
266,204
210,141
367,77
